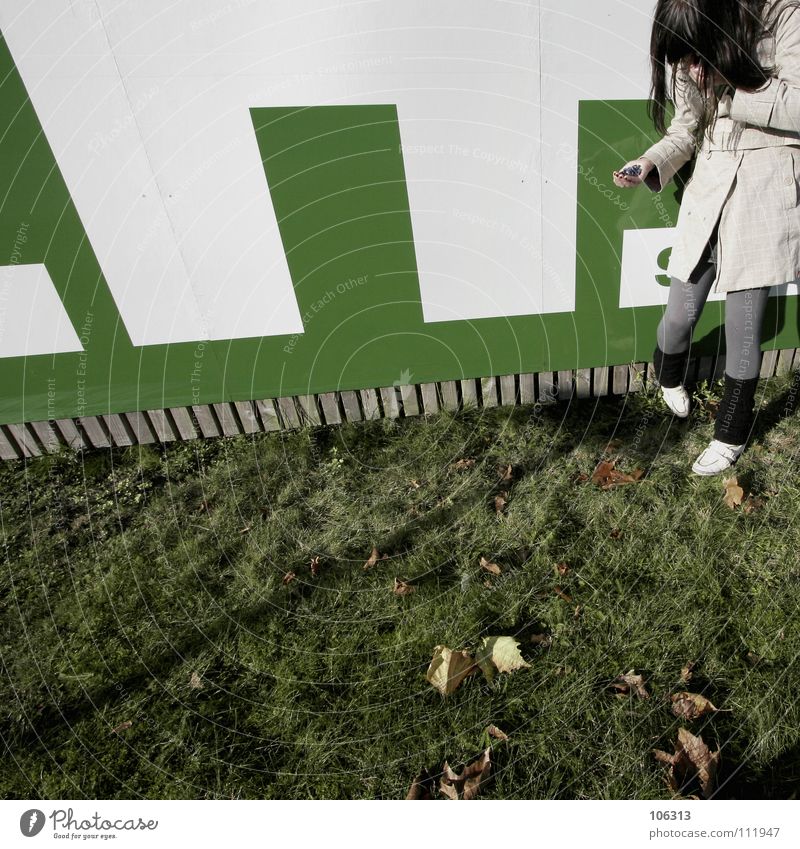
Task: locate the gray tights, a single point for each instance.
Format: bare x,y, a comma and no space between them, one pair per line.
744,317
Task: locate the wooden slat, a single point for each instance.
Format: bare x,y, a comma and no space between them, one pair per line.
270,420
309,412
449,394
330,408
369,400
508,390
547,391
184,422
565,387
205,421
27,445
600,381
583,382
430,402
143,433
469,393
352,410
288,412
9,450
95,431
489,392
73,437
390,401
228,421
48,436
117,429
527,388
246,411
769,362
637,377
408,392
620,376
162,425
785,359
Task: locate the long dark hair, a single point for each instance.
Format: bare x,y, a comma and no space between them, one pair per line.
721,36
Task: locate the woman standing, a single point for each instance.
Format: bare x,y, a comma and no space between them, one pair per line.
735,71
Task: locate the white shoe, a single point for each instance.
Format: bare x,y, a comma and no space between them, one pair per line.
677,399
717,457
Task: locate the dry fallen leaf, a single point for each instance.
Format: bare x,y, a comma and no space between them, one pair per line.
686,672
123,726
415,483
448,669
315,565
751,503
468,783
606,476
733,494
691,705
500,503
692,758
616,533
630,682
403,587
374,558
246,529
612,445
506,473
494,731
561,594
490,567
423,786
195,681
501,653
288,578
464,463
561,568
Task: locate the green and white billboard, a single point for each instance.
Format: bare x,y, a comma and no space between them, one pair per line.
216,201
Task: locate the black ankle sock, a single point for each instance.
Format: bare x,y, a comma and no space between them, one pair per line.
735,415
670,369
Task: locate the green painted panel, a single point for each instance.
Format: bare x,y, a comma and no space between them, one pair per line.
337,181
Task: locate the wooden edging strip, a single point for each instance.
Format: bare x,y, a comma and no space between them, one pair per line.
22,441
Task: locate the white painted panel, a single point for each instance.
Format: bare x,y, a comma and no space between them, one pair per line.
589,51
63,56
32,318
640,269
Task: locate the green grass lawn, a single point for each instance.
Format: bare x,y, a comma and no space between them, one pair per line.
150,647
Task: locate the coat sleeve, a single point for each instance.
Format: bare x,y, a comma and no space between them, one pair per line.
777,106
677,146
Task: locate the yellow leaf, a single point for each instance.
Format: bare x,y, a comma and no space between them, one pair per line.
490,567
448,669
501,653
733,493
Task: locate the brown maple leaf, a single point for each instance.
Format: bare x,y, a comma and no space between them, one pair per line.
686,672
123,726
403,587
500,503
490,567
494,731
692,758
315,565
506,473
468,783
374,558
423,786
733,494
464,463
606,475
288,578
630,682
691,705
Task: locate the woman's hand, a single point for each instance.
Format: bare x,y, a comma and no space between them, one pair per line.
624,181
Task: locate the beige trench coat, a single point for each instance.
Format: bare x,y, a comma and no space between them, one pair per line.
747,178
